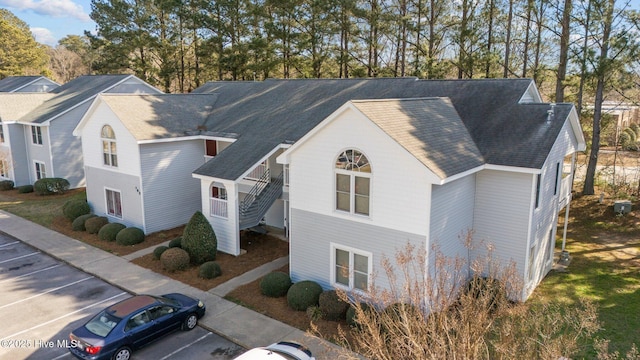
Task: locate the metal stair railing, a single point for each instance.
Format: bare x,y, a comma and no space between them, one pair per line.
251,215
255,191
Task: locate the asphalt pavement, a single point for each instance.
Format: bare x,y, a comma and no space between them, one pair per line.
238,324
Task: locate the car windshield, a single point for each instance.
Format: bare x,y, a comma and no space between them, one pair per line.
102,324
168,301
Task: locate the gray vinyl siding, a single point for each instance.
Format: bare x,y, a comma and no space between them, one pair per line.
452,215
312,235
19,160
102,179
501,217
66,149
171,194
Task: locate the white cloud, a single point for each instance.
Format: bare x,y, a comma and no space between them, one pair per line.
55,8
44,36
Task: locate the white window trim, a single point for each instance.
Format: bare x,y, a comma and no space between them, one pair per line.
351,251
221,201
109,141
106,203
352,184
38,132
35,169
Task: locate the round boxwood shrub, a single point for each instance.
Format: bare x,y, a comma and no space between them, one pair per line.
49,186
174,259
332,307
199,240
351,314
94,224
109,231
157,252
25,189
177,242
209,270
6,185
74,208
130,236
275,284
78,223
303,294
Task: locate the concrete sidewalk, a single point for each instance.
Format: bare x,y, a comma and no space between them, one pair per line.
243,326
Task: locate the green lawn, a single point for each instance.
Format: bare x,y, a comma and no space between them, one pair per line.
39,209
605,268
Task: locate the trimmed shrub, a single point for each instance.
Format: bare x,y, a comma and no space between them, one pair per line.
177,242
109,231
74,208
49,186
209,270
303,294
78,223
333,308
199,240
94,224
174,259
130,236
351,314
275,284
6,185
157,252
25,189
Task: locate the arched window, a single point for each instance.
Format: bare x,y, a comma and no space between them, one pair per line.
109,153
353,178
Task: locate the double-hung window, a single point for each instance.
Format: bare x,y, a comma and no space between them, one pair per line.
114,203
353,180
109,153
351,268
41,171
36,135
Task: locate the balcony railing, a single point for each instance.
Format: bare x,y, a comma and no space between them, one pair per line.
219,208
258,172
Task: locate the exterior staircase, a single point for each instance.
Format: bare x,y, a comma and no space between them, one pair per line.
258,201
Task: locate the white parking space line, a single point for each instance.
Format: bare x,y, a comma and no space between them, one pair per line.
29,274
9,244
63,316
46,292
20,257
186,346
62,356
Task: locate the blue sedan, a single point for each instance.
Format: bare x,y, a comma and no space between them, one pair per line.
132,323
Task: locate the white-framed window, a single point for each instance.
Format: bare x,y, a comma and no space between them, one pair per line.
109,150
350,268
353,182
41,170
219,201
4,168
114,203
530,265
538,184
36,135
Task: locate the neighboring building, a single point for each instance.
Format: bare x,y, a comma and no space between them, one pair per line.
138,159
50,149
27,84
350,169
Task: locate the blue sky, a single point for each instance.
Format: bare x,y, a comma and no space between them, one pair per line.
51,20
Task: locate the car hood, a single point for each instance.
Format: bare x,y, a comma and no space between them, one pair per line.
184,300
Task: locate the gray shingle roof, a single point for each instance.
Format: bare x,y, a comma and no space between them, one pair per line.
160,116
72,94
429,129
266,114
13,83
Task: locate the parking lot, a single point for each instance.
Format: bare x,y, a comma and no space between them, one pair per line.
44,299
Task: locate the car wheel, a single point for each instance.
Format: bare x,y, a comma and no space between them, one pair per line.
190,322
124,353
